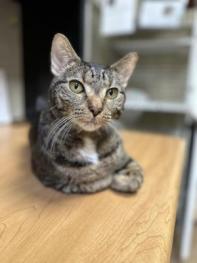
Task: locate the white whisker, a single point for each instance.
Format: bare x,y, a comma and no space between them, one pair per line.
59,126
55,138
54,126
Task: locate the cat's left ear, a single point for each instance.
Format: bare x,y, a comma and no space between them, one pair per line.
62,55
125,67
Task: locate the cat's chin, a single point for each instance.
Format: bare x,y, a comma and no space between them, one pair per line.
89,127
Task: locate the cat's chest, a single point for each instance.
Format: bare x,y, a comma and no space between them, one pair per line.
88,151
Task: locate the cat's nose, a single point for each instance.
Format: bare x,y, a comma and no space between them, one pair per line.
95,110
95,105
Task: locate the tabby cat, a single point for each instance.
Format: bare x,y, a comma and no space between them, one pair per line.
74,147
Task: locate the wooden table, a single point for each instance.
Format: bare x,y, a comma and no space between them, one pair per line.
39,225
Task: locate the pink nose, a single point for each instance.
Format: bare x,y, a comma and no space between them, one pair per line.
95,110
95,105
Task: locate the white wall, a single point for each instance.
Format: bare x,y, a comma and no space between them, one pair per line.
11,55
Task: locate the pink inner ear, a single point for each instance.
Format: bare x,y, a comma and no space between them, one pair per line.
125,67
62,54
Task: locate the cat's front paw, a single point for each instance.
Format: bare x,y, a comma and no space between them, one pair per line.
129,179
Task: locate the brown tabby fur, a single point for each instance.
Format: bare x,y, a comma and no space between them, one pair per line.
74,147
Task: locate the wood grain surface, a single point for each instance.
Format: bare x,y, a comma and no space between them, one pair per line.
39,225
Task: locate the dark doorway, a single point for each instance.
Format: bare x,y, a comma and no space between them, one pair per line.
40,21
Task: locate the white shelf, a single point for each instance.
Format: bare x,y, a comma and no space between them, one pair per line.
156,106
152,45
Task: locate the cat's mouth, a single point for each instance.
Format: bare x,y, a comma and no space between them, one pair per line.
90,124
93,122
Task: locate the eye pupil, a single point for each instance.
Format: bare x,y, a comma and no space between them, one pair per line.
112,93
76,86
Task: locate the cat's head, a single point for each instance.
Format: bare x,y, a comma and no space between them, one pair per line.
90,94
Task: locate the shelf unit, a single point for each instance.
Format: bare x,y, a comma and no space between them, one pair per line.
157,106
152,45
176,41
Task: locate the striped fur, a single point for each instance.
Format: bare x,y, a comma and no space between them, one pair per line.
74,147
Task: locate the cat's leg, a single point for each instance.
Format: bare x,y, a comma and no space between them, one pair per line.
90,187
51,177
129,178
69,188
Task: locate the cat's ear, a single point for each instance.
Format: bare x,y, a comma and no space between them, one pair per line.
62,55
125,67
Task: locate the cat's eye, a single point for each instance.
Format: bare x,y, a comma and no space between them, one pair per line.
112,93
76,86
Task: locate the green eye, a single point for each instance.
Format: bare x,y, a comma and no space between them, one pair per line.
112,93
76,86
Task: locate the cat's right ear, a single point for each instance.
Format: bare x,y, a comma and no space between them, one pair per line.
62,55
